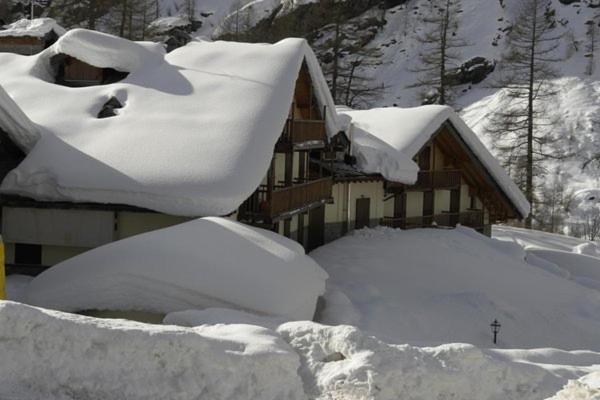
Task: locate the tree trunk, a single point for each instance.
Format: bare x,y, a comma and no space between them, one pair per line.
443,47
529,182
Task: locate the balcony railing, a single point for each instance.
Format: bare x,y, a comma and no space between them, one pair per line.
472,219
286,199
446,179
299,131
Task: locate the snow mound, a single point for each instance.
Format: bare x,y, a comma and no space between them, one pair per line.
528,239
64,356
585,388
210,262
381,131
214,316
432,286
38,27
343,363
194,137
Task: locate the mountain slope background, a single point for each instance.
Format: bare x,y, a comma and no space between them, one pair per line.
381,37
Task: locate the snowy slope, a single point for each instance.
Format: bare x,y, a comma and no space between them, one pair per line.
483,25
439,286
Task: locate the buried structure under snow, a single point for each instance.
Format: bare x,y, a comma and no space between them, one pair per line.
209,262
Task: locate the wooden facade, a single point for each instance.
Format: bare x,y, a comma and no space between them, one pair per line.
26,45
73,72
296,188
454,187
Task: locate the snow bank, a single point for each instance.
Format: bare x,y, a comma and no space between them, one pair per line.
55,356
343,363
195,135
213,316
38,27
432,286
388,138
585,388
210,262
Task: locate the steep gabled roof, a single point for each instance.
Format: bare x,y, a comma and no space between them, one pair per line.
385,138
194,137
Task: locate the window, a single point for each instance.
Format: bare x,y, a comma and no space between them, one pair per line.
30,254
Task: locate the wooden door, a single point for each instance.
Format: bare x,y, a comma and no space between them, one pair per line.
454,206
427,207
399,210
316,228
363,213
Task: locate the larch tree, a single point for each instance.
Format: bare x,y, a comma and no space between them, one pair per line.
440,46
592,44
526,74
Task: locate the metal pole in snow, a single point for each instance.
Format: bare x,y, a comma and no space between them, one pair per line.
32,2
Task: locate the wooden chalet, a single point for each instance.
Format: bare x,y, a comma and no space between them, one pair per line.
453,186
27,37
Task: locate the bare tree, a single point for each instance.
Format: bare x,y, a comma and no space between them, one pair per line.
525,75
440,50
592,44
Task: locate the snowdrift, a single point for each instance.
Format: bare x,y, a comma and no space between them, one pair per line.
342,362
59,356
210,262
51,355
194,137
432,286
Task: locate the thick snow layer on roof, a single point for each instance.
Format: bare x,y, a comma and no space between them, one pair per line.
38,27
56,356
209,262
388,138
15,123
195,135
165,24
106,51
431,286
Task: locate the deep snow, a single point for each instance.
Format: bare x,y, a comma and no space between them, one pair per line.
432,286
61,356
209,262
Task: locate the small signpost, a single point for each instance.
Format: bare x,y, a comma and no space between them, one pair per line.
495,329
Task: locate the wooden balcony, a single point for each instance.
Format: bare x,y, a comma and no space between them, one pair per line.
472,219
262,205
445,179
303,133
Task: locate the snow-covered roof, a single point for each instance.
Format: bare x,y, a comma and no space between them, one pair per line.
194,137
386,139
38,27
208,262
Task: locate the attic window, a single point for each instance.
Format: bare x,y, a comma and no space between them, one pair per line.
75,73
108,109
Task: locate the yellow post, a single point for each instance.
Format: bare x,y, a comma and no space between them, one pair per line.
2,272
